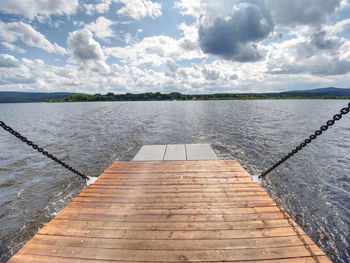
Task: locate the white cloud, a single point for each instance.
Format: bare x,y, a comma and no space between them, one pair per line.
127,38
216,76
12,47
101,28
39,8
338,27
16,76
140,8
189,7
319,54
299,12
314,54
101,7
87,51
210,74
37,76
13,31
7,61
155,51
343,4
189,41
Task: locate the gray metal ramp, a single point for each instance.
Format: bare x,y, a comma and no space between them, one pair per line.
150,153
176,152
200,152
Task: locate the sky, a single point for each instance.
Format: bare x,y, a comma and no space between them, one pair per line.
188,46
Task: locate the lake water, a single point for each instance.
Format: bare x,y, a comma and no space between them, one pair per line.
313,186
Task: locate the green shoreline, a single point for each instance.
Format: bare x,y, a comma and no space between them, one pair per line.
186,97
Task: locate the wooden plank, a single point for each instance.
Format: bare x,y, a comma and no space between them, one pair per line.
30,258
179,182
167,191
99,198
168,235
169,255
154,175
150,153
219,225
164,197
172,205
317,259
177,187
222,244
175,152
164,185
106,193
176,166
183,211
172,211
200,152
167,218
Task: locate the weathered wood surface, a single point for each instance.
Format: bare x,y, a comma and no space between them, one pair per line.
176,211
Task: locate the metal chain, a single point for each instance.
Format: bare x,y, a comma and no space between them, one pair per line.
312,137
41,150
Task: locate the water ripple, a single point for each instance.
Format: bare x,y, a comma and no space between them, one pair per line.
313,187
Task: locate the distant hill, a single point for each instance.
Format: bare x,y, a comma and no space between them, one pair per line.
14,96
324,93
328,91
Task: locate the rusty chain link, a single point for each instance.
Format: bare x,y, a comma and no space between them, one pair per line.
312,137
41,150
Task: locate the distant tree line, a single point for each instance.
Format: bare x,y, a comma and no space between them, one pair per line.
157,96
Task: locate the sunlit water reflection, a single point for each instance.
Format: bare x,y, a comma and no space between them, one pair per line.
313,187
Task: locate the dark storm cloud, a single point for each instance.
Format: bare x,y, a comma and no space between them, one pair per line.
233,37
320,41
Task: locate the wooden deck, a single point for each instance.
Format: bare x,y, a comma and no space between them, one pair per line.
172,211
